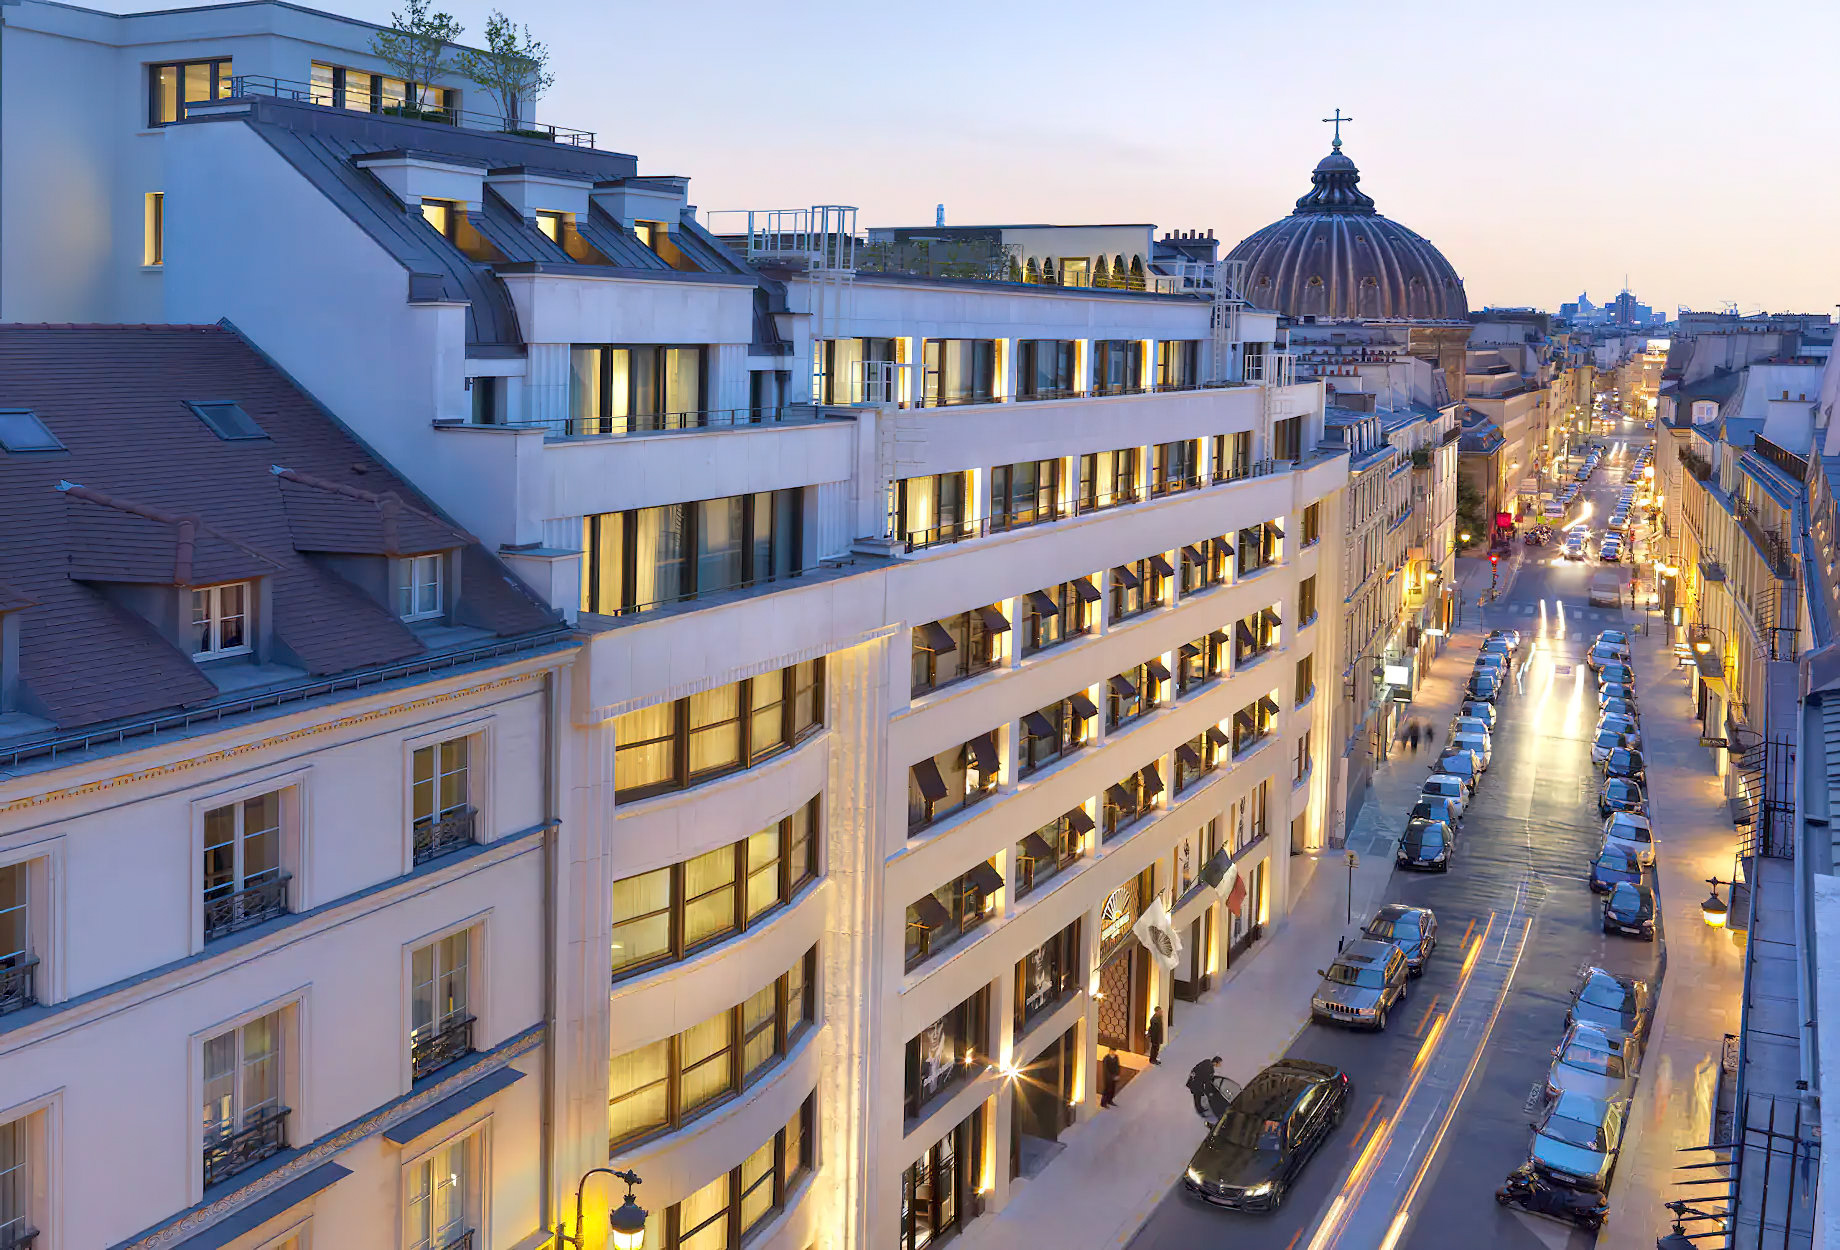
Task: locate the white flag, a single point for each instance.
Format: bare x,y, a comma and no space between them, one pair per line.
1158,935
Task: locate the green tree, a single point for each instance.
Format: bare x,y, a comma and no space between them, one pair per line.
415,45
1470,519
513,68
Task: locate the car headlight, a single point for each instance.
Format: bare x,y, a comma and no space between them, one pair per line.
1194,1176
1257,1191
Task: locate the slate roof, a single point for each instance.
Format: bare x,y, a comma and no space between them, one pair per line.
335,517
146,494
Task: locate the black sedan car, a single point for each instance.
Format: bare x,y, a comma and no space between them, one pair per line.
1425,845
1621,794
1484,687
1617,1005
1412,929
1625,762
1630,909
1615,865
1269,1131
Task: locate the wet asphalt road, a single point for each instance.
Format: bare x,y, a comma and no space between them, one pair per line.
1522,860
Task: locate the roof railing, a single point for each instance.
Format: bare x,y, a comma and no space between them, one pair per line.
242,85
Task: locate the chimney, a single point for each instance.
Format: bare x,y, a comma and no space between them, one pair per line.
939,215
1210,232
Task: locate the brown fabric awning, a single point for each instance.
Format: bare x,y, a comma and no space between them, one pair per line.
1188,755
984,752
1218,637
1157,669
1272,618
1269,704
1161,564
1079,821
1034,846
1153,781
1083,706
994,620
1217,735
926,776
1277,531
930,913
1085,590
1038,725
1124,687
935,637
985,878
1244,633
1193,553
1043,602
1126,576
1118,796
1188,651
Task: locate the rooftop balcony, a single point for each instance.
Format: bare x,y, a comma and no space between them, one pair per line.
243,85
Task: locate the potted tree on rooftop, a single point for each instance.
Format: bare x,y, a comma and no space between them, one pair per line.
513,68
415,46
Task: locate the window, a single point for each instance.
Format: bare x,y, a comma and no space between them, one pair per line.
1045,368
1108,478
153,228
727,1210
220,621
22,430
1135,692
1140,586
244,1119
226,419
666,1084
334,86
958,371
931,510
956,778
945,1053
938,920
1312,524
1024,494
1057,614
1177,364
1198,757
452,222
1306,600
957,647
488,406
1232,456
553,225
440,799
1127,801
17,1185
1302,762
1054,846
674,745
418,587
244,882
1175,466
656,235
1054,731
939,1189
1287,439
662,915
617,390
650,557
172,86
443,1196
1205,564
1047,974
1254,723
1200,661
1306,679
1260,809
17,960
856,371
440,1020
1118,366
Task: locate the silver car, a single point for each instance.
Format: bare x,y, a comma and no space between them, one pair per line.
1634,834
1364,983
1575,1141
1590,1061
1475,743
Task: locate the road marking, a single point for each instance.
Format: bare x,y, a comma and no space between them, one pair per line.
1465,938
1295,1238
1371,1112
1418,1030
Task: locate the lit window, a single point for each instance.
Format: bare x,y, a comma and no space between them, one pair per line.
153,229
443,215
443,1194
553,225
418,588
220,620
244,883
244,1119
441,1026
171,87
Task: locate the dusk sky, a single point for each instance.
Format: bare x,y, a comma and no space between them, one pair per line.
1545,149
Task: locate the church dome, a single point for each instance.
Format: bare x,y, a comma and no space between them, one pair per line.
1336,257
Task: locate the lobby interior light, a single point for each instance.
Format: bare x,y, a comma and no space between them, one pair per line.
1714,909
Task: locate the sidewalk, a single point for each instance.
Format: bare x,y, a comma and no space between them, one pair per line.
1084,1198
1701,991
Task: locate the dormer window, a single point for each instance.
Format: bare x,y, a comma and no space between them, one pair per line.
553,225
220,621
443,215
657,236
419,587
450,220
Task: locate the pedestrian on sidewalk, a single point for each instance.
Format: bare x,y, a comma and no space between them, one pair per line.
1412,738
1155,1032
1108,1079
1430,736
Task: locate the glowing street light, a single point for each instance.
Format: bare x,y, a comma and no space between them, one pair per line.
1714,910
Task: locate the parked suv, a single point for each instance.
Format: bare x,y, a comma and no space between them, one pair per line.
1364,983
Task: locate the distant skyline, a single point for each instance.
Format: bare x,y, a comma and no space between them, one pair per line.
1544,150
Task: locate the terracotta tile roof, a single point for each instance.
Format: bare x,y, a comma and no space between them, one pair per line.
161,501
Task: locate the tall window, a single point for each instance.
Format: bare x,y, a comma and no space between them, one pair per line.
957,647
1205,564
1306,679
959,371
171,87
220,621
1049,733
669,1082
153,229
441,802
1047,974
956,778
936,921
673,745
440,1019
244,883
1044,368
244,1119
614,390
1302,763
650,557
729,1208
662,915
17,959
1175,466
1057,614
931,510
1118,366
856,371
1108,478
1140,586
1177,363
1024,494
16,1226
1312,524
1287,439
418,587
1306,600
945,1053
1232,456
1200,661
1054,846
443,1196
1127,801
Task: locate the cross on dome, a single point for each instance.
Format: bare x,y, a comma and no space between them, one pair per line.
1338,119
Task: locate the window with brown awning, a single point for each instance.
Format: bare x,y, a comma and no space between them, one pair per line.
1153,781
1039,726
993,619
984,752
1085,590
1126,576
1190,757
930,913
1157,670
1079,821
935,637
1217,735
1244,634
1160,563
926,776
1043,602
984,878
1083,707
1194,554
1124,687
1034,846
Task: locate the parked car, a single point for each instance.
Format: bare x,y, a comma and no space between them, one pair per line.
1632,831
1366,981
1616,1004
1448,786
1485,687
1270,1129
1475,709
1575,1141
1425,846
1625,725
1613,636
1600,656
1615,690
1492,662
1624,762
1434,807
1613,866
1498,646
1470,724
1477,743
1606,741
1591,1062
1630,908
1616,706
1412,929
1621,794
1617,672
1460,763
1512,635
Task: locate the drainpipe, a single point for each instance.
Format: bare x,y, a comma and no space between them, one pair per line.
546,1142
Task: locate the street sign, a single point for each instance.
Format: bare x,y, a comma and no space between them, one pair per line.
1713,742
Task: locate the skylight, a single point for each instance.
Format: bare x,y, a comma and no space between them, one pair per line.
226,419
21,430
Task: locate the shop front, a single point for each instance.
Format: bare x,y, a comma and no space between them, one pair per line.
939,1190
1124,967
1044,1094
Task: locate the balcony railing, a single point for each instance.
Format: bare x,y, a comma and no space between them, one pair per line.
264,1135
463,1242
19,1239
307,93
449,1043
663,422
251,905
16,986
1096,392
435,838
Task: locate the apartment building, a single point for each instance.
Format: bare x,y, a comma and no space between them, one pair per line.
277,820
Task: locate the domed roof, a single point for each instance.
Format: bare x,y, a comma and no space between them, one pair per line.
1335,256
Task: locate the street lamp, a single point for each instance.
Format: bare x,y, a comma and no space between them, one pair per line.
627,1221
1714,909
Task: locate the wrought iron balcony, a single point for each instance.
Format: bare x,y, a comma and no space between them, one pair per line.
19,1239
251,905
435,838
265,1134
452,1041
463,1242
16,988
